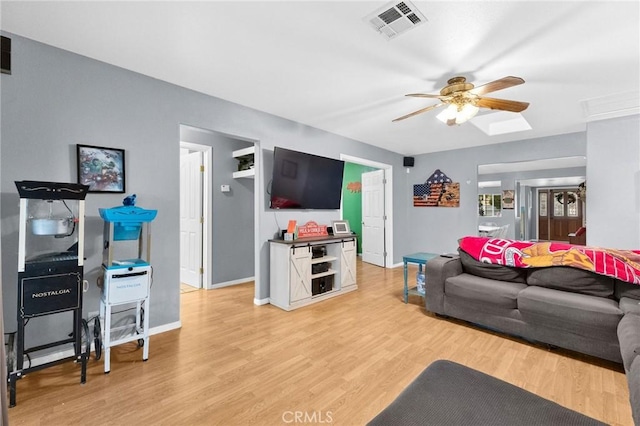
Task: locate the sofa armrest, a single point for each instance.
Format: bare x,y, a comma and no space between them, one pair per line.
629,338
437,271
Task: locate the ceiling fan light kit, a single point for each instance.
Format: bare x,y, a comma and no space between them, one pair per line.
455,114
464,100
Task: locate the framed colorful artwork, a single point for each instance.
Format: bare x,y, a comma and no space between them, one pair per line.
101,168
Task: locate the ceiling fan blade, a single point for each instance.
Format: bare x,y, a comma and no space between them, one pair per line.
502,104
420,111
424,95
503,83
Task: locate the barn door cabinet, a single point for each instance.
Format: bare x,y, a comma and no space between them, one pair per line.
307,271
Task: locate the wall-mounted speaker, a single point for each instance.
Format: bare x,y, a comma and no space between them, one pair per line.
5,55
408,161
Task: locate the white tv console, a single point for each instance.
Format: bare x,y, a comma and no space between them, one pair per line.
294,284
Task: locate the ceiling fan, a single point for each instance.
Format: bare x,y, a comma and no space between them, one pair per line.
464,100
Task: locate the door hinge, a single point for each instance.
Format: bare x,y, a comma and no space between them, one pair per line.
384,181
201,219
202,168
201,271
384,217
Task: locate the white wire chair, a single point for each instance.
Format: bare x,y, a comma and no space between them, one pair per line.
501,232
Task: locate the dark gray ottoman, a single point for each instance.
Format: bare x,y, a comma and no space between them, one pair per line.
447,393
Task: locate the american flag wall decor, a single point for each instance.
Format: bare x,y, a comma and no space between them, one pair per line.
438,191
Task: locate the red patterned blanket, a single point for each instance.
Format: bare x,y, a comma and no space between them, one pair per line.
621,264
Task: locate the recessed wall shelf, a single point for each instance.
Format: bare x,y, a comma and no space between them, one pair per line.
245,155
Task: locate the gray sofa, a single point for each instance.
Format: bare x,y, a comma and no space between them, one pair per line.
561,306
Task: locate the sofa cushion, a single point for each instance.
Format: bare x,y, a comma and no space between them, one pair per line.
629,305
624,289
483,290
629,338
491,271
571,279
579,313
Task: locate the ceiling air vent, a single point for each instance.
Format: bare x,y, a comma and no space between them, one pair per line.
395,18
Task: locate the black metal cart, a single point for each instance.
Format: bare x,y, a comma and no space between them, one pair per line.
50,270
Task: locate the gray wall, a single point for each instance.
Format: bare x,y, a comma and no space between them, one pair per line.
613,183
232,248
55,99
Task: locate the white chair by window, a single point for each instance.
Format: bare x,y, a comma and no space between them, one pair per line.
487,229
501,232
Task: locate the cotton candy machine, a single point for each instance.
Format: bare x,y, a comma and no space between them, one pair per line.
127,275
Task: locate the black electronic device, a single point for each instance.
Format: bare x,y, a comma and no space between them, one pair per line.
408,161
319,268
321,285
305,181
5,55
318,251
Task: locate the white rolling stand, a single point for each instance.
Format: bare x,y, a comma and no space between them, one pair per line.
126,282
122,287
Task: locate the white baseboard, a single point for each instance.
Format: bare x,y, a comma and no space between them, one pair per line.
165,327
388,266
234,282
260,302
55,356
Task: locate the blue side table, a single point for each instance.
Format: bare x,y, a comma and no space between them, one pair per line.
421,259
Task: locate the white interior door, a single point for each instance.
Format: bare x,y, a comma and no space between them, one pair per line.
191,219
373,217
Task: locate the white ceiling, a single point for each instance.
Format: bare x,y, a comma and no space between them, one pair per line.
320,64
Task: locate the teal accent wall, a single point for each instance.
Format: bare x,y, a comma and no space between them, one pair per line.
352,197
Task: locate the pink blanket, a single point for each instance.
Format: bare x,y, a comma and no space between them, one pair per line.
621,264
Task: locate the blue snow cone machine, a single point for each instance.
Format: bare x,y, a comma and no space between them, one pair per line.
127,276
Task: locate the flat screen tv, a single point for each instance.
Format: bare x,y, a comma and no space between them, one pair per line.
305,181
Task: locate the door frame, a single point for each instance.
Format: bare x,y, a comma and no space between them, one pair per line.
388,202
367,258
207,209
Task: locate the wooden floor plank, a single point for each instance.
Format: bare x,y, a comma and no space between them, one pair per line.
343,360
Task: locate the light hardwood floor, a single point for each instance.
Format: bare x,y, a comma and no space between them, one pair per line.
337,362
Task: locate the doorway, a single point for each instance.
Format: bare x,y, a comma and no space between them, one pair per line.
559,213
231,189
379,243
